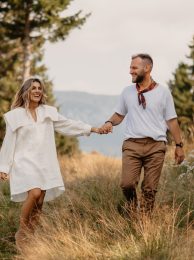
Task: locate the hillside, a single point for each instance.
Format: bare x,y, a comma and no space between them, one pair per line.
92,109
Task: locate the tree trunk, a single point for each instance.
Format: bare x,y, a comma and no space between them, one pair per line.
27,61
26,44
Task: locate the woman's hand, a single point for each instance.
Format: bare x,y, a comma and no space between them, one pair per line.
95,130
3,176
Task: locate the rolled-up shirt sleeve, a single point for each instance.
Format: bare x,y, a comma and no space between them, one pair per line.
7,150
71,127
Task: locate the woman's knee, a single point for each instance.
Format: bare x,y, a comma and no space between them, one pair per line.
35,194
41,199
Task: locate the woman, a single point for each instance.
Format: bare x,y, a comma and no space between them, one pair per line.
28,153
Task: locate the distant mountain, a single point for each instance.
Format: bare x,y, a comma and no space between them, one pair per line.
95,110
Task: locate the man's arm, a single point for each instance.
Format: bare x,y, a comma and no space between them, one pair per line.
176,133
114,120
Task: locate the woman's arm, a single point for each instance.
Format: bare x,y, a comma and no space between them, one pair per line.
7,152
72,127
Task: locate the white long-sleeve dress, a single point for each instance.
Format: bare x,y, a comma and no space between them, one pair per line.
28,153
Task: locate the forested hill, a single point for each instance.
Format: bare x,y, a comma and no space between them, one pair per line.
92,109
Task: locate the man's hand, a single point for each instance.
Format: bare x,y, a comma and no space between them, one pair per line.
106,128
179,155
115,119
3,176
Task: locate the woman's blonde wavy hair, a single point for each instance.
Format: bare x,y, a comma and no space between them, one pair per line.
22,97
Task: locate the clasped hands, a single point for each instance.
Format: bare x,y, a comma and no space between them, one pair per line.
104,129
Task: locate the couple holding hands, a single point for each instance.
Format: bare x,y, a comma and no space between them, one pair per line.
28,153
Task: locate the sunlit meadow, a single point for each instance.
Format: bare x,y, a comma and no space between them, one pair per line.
85,222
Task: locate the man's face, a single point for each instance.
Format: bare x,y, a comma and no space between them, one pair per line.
137,70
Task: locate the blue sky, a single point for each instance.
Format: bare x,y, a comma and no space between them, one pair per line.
96,58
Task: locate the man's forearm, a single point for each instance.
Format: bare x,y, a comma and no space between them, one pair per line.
116,119
176,133
174,130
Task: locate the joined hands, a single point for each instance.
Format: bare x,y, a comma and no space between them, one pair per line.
104,129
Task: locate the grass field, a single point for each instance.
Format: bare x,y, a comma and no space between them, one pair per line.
85,223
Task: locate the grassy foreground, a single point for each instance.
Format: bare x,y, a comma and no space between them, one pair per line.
85,223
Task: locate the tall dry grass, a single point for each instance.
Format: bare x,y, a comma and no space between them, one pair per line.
85,222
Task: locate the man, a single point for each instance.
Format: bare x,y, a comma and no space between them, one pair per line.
149,110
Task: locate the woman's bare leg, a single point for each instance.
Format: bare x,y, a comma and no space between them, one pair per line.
36,211
27,207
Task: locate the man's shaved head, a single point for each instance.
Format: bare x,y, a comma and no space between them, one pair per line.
145,57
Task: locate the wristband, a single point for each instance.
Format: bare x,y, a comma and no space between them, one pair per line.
109,122
179,145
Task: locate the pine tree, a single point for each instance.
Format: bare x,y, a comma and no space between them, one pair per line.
25,26
33,22
182,87
8,69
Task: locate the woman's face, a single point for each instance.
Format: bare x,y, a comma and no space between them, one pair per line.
36,92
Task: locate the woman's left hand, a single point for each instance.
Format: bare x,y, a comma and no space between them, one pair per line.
3,176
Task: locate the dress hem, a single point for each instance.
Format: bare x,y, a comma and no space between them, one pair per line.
51,193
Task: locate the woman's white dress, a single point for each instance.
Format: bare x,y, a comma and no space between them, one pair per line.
28,153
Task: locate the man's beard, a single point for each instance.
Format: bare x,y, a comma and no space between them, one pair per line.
138,79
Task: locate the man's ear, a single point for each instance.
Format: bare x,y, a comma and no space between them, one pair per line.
147,68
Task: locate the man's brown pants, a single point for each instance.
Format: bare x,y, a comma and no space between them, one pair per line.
138,153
